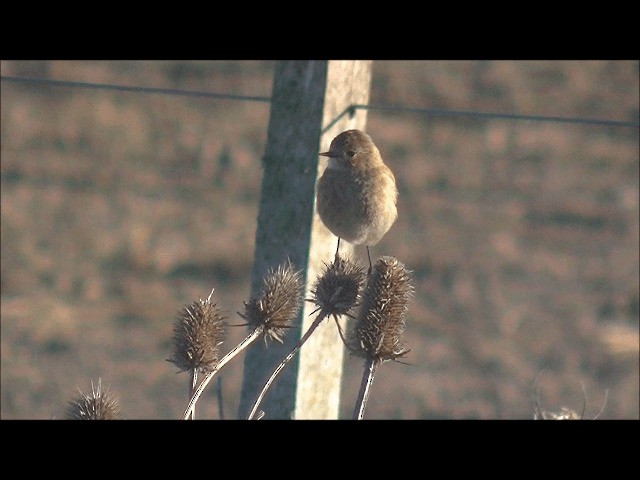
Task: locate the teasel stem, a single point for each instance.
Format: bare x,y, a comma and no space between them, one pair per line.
219,395
284,362
226,359
371,365
192,389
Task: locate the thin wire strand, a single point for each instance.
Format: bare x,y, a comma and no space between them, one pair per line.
350,110
502,116
126,88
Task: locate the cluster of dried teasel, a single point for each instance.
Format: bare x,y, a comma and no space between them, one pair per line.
376,305
338,291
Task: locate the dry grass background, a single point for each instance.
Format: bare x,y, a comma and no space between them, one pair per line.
119,208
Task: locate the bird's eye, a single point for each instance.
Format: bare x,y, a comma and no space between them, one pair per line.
350,153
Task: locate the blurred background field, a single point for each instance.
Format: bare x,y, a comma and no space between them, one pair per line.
118,208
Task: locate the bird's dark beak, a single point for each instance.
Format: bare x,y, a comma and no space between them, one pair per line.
329,154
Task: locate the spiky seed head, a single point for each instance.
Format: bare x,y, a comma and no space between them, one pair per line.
198,331
100,404
564,414
380,324
337,290
279,303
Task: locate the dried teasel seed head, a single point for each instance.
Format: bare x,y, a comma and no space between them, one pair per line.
378,330
100,404
278,305
564,413
337,290
198,331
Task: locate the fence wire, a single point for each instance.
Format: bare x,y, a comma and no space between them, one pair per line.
350,110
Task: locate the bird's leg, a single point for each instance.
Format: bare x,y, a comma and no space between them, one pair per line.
370,267
338,248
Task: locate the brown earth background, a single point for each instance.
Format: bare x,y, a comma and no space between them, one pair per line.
118,208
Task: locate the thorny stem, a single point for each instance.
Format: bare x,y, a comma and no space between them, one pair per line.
344,340
237,349
370,368
275,373
192,388
219,394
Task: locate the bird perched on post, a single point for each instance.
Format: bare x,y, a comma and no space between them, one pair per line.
357,194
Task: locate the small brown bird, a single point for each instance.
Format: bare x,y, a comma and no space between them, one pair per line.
357,193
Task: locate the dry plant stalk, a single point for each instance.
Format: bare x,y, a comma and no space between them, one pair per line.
335,293
100,404
377,334
269,315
